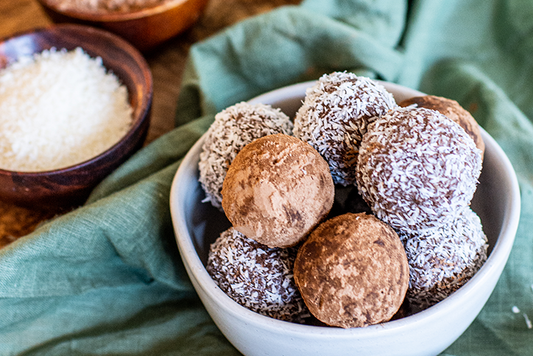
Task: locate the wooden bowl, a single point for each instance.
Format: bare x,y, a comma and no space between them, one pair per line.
70,186
145,28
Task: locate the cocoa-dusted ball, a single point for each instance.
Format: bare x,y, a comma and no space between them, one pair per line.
233,128
256,276
277,190
417,168
334,117
352,271
454,111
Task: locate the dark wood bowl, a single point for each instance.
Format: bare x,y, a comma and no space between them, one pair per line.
145,28
70,186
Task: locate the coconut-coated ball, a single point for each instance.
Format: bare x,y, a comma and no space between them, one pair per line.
417,168
256,276
442,259
334,117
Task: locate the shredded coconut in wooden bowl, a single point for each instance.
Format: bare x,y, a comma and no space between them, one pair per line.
59,108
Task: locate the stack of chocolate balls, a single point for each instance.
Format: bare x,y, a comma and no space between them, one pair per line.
405,236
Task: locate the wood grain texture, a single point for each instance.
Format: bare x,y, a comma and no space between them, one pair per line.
144,28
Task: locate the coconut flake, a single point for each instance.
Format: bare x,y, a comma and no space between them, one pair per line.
334,116
256,276
417,168
442,259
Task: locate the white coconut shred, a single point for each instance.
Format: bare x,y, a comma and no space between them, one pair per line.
256,276
334,116
59,108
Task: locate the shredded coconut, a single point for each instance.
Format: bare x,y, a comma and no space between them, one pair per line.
442,259
417,169
232,129
59,108
256,276
334,116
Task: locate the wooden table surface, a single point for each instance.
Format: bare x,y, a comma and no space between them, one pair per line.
166,63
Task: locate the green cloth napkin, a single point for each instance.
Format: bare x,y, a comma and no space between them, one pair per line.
107,279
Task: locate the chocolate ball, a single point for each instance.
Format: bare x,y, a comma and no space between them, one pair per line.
277,190
233,128
256,276
334,117
454,111
417,168
444,258
352,271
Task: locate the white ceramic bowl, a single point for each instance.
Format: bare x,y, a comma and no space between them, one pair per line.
197,224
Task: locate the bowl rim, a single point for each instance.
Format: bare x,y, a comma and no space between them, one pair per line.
146,98
118,16
494,264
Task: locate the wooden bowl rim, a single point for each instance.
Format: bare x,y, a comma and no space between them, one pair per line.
119,16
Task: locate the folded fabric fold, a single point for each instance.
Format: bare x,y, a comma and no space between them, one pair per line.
289,45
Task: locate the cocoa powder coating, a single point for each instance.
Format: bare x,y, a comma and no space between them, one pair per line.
352,271
453,110
277,190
